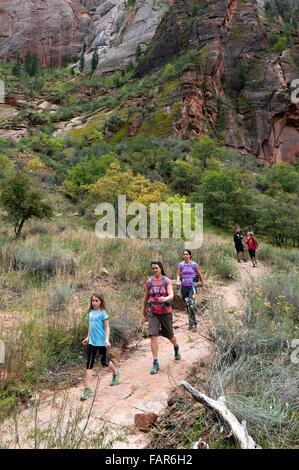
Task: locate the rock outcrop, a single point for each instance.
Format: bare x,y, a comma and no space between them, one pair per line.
239,89
48,28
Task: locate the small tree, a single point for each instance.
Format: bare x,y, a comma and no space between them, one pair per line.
64,61
21,202
17,67
28,61
33,66
130,67
138,52
94,61
195,11
82,59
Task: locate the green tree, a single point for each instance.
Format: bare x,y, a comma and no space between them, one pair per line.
21,202
138,52
33,66
280,44
226,198
64,61
195,11
94,61
87,173
6,166
17,67
206,149
278,217
28,62
130,67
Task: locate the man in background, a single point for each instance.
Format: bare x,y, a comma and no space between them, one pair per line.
239,245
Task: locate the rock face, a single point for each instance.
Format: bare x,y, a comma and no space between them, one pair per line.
238,91
48,28
118,27
54,28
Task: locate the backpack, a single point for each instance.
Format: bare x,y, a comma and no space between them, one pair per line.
151,304
195,278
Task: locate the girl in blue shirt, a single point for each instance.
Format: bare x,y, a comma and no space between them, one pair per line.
97,339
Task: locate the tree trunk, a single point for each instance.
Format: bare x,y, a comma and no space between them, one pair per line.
18,228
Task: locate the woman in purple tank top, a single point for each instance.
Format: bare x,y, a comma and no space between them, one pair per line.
187,276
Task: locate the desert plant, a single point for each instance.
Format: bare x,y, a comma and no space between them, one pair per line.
21,202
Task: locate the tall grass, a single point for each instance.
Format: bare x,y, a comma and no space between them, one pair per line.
251,362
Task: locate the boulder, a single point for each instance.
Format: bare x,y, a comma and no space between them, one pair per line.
143,421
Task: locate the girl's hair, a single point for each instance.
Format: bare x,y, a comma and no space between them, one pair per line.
99,296
188,251
160,266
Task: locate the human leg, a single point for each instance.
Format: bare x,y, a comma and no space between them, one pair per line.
91,353
154,346
153,330
190,305
167,331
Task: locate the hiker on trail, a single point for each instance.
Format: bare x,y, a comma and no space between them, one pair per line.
97,340
158,310
252,248
188,276
239,245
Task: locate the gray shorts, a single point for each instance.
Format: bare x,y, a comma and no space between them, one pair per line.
165,321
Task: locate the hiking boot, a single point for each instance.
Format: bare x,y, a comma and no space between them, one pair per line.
244,260
253,265
86,394
115,378
190,327
155,368
239,261
194,328
177,354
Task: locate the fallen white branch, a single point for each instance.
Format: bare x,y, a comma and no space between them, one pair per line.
238,430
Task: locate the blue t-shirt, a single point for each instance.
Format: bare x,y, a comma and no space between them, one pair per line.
97,330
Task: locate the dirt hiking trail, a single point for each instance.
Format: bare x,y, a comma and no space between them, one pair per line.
138,391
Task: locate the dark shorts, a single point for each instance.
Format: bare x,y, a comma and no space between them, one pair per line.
239,249
164,321
91,354
251,253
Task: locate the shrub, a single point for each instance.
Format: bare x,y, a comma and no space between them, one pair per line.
59,298
250,361
31,260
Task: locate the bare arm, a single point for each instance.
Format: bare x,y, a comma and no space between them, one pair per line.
145,314
85,341
107,328
201,279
